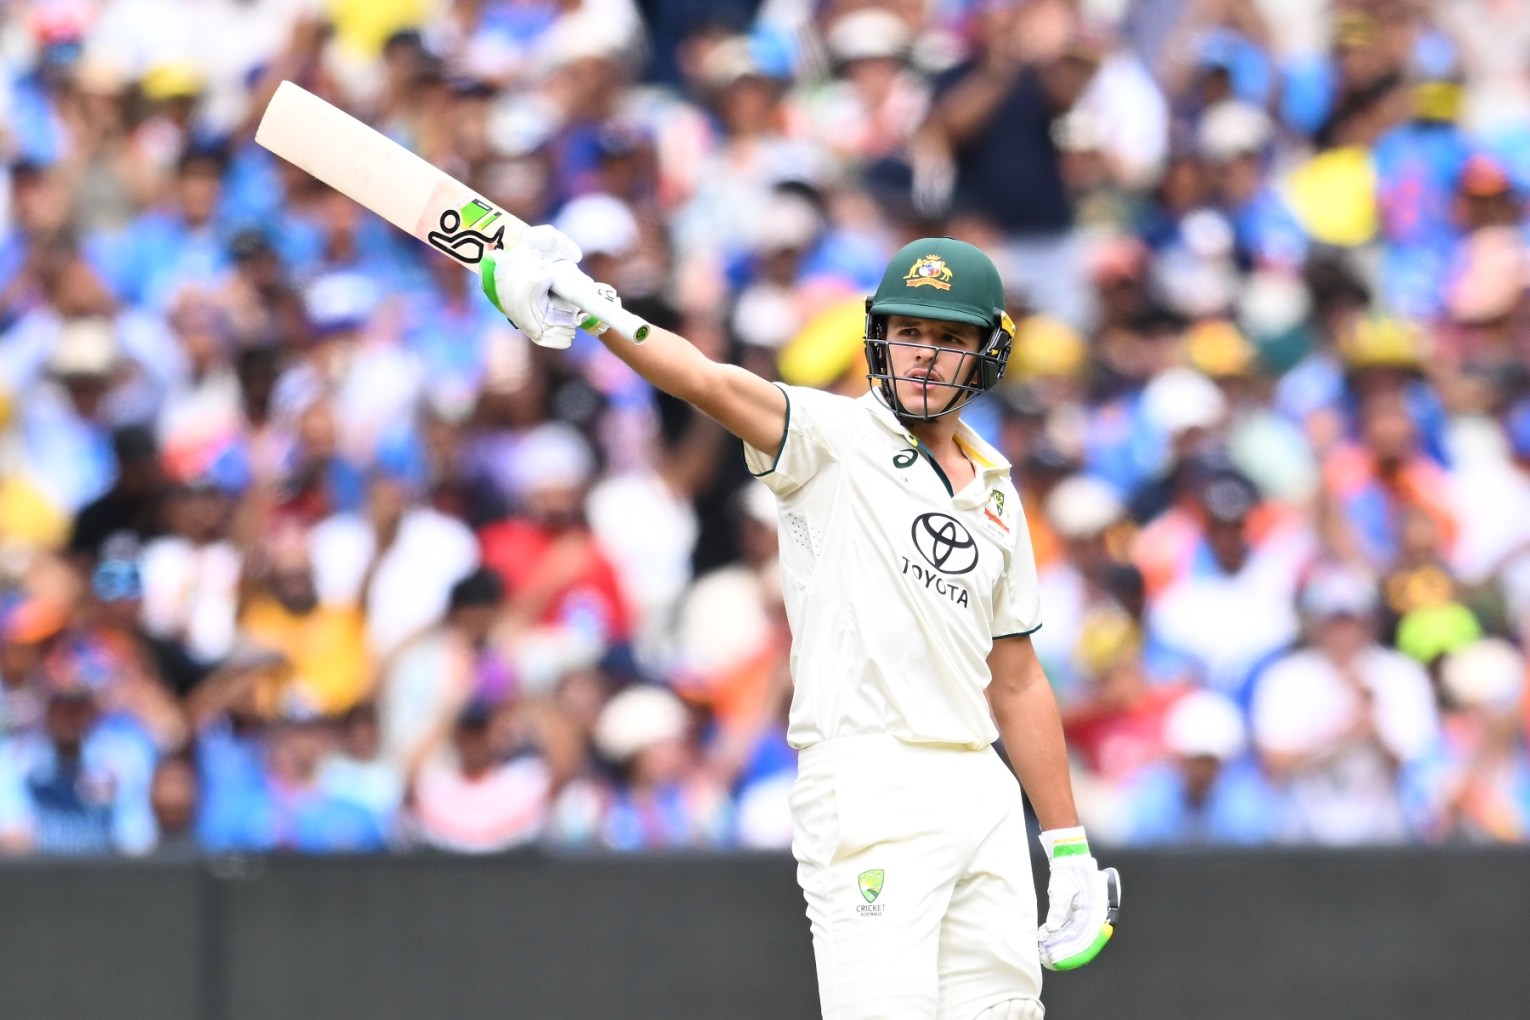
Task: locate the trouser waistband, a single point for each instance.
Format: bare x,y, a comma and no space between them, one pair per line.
874,744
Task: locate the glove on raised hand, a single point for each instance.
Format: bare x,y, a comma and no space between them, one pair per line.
518,281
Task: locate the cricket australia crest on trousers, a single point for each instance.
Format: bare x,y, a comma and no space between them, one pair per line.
947,549
870,884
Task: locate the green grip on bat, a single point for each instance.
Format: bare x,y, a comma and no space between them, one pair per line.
486,280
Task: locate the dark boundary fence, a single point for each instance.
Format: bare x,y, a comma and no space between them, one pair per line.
1253,935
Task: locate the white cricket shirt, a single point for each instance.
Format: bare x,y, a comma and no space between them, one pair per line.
894,586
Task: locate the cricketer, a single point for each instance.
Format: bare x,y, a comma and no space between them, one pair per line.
910,588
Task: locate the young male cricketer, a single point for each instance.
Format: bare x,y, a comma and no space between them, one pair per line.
911,591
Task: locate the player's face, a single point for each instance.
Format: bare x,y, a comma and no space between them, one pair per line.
930,358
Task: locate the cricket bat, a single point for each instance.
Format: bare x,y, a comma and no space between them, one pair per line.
375,171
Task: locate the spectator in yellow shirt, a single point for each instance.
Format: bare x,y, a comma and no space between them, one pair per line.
325,645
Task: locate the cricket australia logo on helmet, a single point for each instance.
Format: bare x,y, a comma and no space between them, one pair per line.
929,271
944,543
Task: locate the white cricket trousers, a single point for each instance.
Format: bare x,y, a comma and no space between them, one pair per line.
917,874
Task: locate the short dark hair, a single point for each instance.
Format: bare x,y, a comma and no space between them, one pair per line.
1332,282
482,587
474,717
404,38
253,357
28,168
134,444
201,154
249,243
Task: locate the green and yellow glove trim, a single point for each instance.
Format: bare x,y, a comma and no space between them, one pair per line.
1071,848
1078,960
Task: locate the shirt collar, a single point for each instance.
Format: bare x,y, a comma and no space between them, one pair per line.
984,457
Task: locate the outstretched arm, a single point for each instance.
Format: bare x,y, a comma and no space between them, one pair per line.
518,280
737,399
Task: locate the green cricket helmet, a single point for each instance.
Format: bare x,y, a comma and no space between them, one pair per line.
949,280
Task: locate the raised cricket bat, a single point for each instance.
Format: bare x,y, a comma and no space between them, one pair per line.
372,169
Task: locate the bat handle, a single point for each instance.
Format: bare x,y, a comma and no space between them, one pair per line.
570,283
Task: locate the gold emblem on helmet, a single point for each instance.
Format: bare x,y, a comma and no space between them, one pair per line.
930,271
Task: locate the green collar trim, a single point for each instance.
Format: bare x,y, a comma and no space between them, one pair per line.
939,471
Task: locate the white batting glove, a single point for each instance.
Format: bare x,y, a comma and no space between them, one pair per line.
518,281
1081,902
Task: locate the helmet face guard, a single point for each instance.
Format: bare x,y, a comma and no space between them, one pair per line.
975,373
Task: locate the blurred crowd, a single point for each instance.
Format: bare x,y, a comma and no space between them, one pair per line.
303,547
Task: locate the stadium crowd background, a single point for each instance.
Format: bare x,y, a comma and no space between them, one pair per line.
304,548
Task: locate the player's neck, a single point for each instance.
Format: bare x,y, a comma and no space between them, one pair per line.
937,436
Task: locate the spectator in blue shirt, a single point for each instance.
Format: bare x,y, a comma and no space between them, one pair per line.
35,248
291,810
1234,140
165,248
661,798
75,786
65,420
1207,791
1417,166
173,796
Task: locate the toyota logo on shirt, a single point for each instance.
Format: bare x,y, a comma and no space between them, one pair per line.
944,543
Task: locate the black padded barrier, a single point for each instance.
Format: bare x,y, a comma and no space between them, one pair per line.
1229,935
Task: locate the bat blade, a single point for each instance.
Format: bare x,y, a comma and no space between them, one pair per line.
373,170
